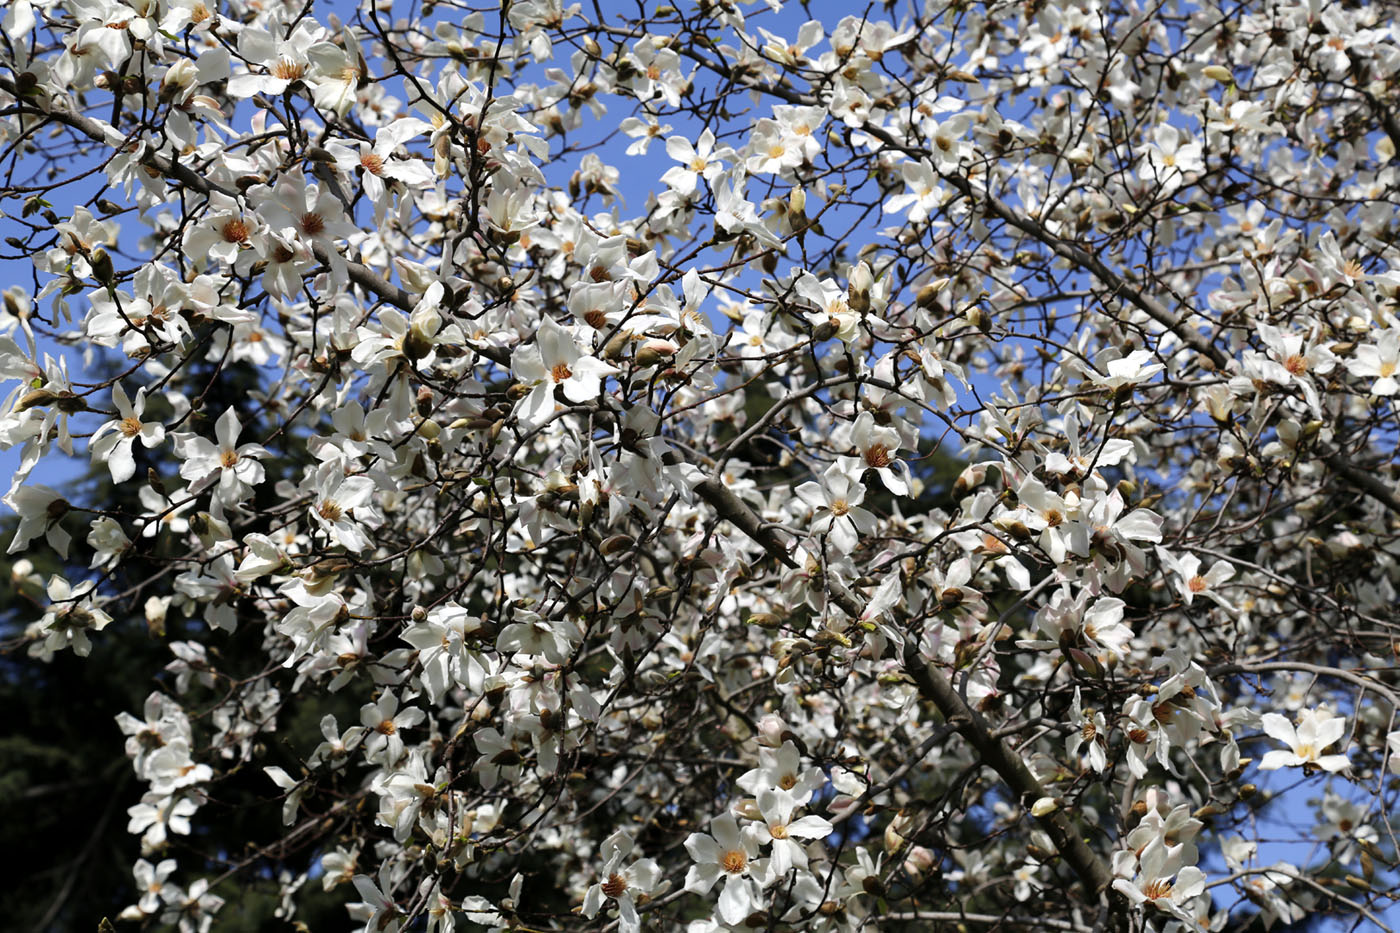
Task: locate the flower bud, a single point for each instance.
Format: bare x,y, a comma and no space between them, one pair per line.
616,545
929,293
862,280
919,862
653,352
102,268
770,731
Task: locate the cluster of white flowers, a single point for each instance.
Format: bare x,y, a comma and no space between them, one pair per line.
990,554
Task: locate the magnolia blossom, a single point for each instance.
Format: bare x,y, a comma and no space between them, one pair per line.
235,468
966,412
1191,582
697,161
836,501
1315,732
875,450
622,882
1162,880
729,853
556,361
113,441
1091,730
1379,362
337,498
782,832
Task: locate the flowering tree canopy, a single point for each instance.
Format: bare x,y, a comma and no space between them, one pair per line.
706,467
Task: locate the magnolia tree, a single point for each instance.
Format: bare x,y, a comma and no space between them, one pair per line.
578,476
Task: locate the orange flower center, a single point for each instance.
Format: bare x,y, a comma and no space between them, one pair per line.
877,456
131,426
1197,584
560,372
234,231
228,459
330,511
372,163
386,727
735,861
1296,364
615,886
288,70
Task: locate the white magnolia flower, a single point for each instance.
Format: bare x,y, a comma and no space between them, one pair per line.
235,468
1191,582
1162,881
1317,729
730,853
836,503
875,450
622,882
783,832
1090,729
113,441
337,497
1379,361
384,723
556,360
